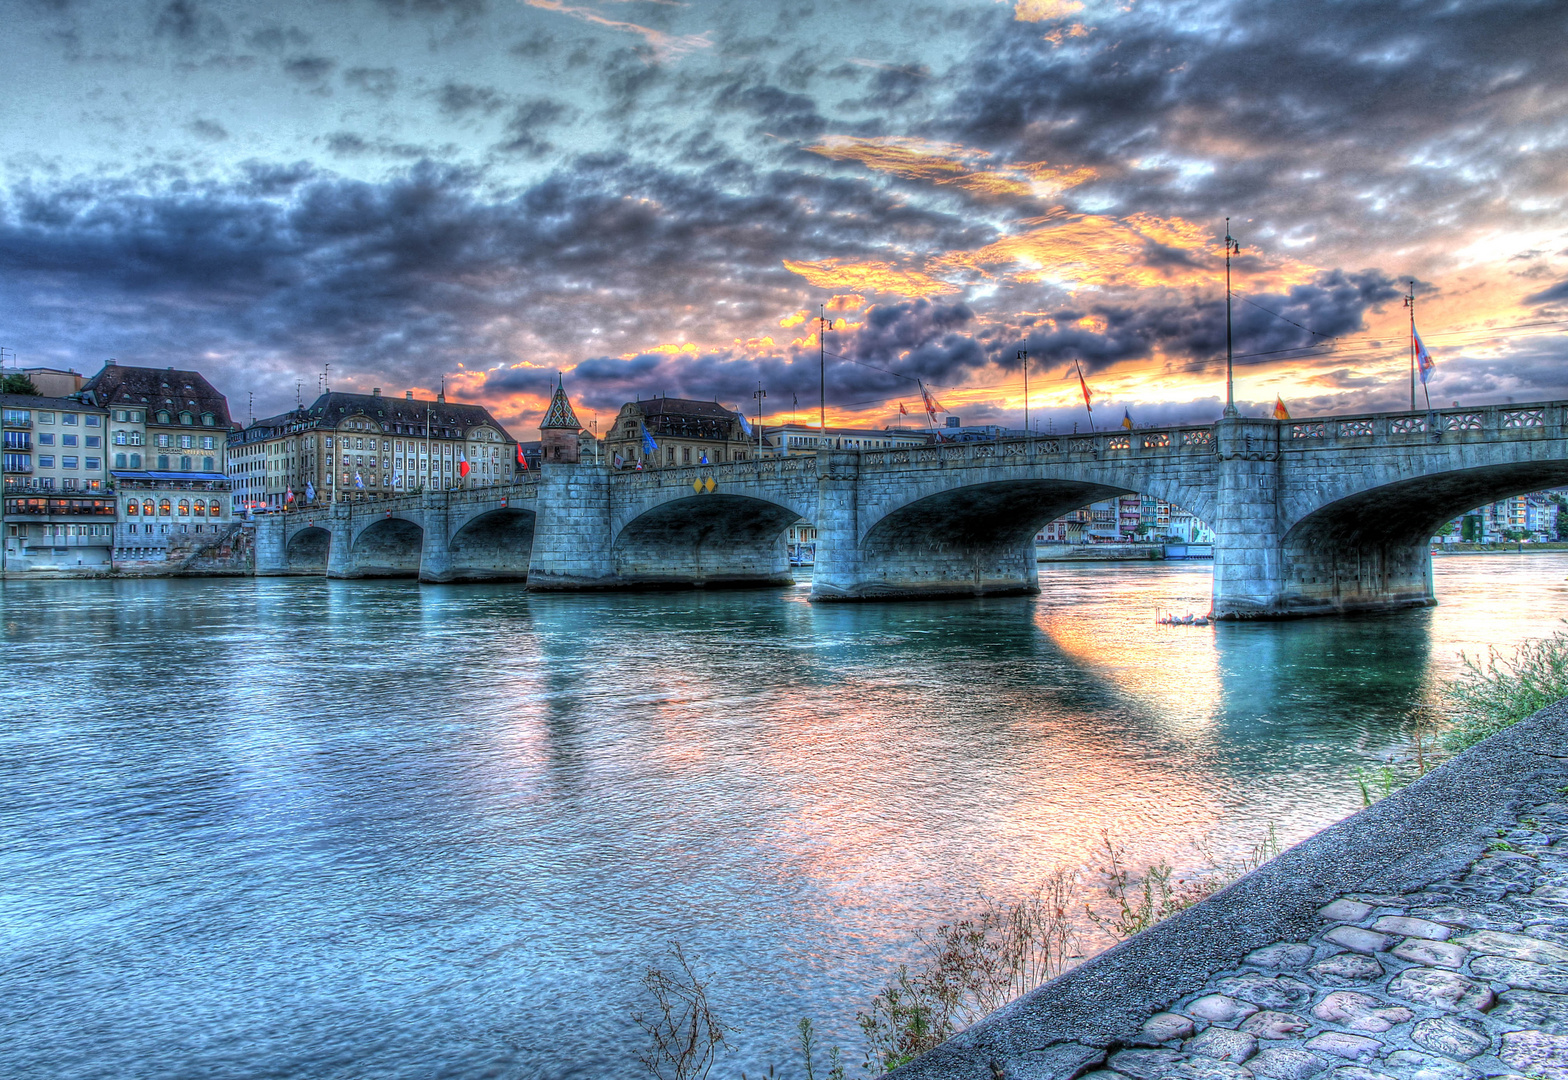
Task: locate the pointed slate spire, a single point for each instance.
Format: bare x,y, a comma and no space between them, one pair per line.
560,414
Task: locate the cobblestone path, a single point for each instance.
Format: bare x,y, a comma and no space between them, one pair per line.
1463,980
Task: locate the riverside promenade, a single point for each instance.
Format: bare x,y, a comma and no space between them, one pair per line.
1424,938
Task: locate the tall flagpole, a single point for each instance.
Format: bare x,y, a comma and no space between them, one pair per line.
822,367
1231,247
1023,354
1410,302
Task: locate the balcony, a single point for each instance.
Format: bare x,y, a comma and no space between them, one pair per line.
16,425
12,470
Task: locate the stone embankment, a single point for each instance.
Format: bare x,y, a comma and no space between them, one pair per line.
1424,938
1098,552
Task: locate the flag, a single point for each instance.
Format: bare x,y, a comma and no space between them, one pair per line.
1280,412
704,457
462,464
1126,419
933,406
1424,361
620,462
310,491
359,483
288,496
1087,403
521,460
639,465
648,445
902,409
744,426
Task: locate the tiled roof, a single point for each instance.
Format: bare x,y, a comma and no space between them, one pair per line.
158,388
662,406
560,414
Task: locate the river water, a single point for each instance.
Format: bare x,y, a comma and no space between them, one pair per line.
299,828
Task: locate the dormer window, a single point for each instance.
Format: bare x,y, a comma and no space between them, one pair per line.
163,416
207,419
186,418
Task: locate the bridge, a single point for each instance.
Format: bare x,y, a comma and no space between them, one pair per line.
1310,516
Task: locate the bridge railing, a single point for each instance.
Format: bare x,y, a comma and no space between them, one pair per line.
1102,444
728,471
1480,422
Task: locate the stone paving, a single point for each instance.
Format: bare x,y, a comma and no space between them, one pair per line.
1463,980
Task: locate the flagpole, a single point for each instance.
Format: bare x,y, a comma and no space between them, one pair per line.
1023,354
1086,406
822,366
1410,302
1230,360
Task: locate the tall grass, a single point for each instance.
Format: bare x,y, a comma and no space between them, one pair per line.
1492,695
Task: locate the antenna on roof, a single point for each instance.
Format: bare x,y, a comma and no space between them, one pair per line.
326,387
298,404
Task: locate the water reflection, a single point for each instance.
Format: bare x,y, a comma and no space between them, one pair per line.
290,827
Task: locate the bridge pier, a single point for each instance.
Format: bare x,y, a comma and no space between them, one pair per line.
1248,560
572,536
435,552
340,555
271,546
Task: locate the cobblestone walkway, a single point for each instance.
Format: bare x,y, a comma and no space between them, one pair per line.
1464,980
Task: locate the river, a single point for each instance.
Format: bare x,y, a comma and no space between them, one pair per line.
298,828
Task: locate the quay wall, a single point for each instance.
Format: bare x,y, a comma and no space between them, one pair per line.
1408,940
1099,552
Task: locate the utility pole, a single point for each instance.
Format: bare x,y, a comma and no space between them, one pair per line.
1231,248
1410,302
1023,354
822,367
759,395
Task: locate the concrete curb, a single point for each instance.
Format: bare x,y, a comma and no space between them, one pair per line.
1417,837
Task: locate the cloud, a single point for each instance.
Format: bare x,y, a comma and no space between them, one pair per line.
1557,294
459,99
309,70
378,82
660,44
210,130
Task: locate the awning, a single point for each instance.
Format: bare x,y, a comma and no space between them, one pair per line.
205,477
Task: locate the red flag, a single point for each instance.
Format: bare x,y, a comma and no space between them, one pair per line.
462,464
521,460
1280,412
1085,388
902,411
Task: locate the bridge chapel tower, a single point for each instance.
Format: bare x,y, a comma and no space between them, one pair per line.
558,431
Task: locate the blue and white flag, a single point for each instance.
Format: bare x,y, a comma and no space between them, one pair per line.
310,491
745,425
1424,361
397,478
704,457
358,482
648,444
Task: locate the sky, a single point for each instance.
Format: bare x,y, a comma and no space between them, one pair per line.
659,197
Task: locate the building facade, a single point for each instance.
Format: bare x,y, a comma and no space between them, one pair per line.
797,439
58,510
355,446
678,432
168,456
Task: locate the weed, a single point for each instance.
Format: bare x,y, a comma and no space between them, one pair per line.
1493,695
1378,783
686,1037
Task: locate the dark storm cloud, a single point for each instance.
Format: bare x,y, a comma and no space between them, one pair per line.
1356,121
379,82
778,112
525,127
290,267
1557,294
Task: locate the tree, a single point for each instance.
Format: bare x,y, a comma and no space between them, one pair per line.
18,383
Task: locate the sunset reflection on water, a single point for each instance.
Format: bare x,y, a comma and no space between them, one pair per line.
446,828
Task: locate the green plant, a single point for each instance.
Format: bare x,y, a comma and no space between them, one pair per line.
685,1036
1493,695
1381,782
1138,902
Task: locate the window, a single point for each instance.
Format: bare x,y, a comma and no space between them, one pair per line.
92,463
24,462
147,509
208,443
185,464
46,418
46,438
163,461
206,463
214,509
136,461
94,441
164,508
68,462
207,419
329,442
359,444
198,508
69,419
119,438
92,420
163,416
186,418
67,440
119,461
119,414
685,455
161,440
186,442
131,508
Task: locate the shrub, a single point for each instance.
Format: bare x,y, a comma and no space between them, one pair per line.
1504,690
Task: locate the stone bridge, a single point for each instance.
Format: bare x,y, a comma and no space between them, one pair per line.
1310,516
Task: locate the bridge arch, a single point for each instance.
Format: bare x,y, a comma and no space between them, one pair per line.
388,547
307,549
493,545
1368,548
708,540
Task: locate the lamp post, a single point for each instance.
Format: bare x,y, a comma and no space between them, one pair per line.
1023,354
759,395
1231,248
